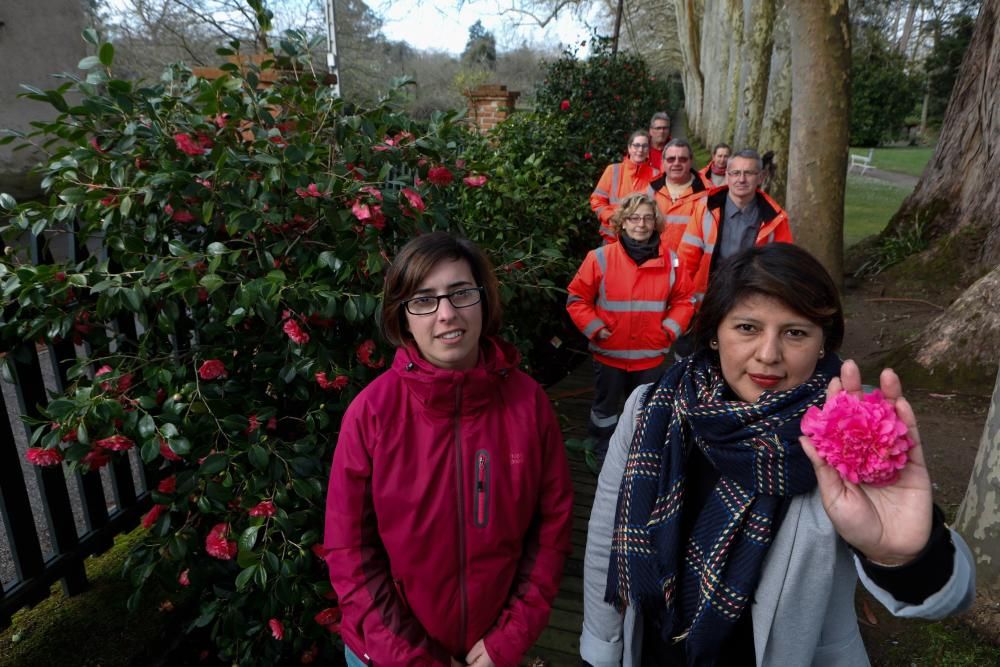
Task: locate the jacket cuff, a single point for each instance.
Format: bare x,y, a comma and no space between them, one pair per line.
600,653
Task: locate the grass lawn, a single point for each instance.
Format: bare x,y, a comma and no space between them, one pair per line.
868,205
904,159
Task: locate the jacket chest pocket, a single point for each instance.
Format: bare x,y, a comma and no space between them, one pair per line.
481,490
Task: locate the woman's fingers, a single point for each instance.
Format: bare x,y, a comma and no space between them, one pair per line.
850,377
889,383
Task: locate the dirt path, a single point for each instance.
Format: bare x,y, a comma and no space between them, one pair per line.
895,177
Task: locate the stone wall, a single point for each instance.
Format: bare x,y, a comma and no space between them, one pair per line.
37,39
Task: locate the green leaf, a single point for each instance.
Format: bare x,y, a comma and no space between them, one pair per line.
90,36
147,426
7,202
248,538
264,158
258,457
303,488
149,451
89,62
106,54
211,282
217,248
245,577
214,464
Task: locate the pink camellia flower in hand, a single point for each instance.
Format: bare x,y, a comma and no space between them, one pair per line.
40,456
264,508
211,369
116,443
277,629
216,544
862,438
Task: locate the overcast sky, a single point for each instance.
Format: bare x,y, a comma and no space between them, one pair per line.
439,25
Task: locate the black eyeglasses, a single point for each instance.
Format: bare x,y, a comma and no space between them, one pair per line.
426,305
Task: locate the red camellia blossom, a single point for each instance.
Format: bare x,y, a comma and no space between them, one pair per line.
184,579
252,424
116,443
337,383
309,655
476,181
310,191
168,453
365,355
96,458
96,145
295,332
152,515
187,145
216,544
587,155
277,629
414,200
110,200
40,456
440,176
182,215
211,369
564,105
264,508
329,618
167,484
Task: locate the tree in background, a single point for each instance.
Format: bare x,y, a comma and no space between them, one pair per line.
481,49
883,94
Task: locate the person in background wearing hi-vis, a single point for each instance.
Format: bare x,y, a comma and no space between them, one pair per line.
659,136
622,179
715,171
631,300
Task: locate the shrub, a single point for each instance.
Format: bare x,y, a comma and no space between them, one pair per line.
231,321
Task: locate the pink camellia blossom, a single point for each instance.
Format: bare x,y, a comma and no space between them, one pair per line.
116,443
414,200
211,369
264,508
216,544
440,176
253,423
96,458
181,215
477,181
149,519
310,191
862,438
277,629
294,331
184,579
325,382
187,145
564,105
587,155
40,456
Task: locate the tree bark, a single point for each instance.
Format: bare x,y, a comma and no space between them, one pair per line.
979,515
721,42
689,19
904,40
778,107
957,200
821,61
758,39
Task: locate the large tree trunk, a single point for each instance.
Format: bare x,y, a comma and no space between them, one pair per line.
778,107
689,36
979,515
758,42
821,57
904,40
719,44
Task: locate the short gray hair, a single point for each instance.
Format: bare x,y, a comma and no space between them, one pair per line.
659,115
679,143
748,154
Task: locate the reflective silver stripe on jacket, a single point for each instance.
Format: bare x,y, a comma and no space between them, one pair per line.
678,220
616,169
672,326
573,298
693,240
593,327
603,422
628,354
628,306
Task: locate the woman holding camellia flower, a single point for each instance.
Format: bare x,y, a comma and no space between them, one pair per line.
726,535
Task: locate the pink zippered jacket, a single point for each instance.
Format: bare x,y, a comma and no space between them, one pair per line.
449,511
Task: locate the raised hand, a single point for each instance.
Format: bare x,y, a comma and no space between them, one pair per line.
890,524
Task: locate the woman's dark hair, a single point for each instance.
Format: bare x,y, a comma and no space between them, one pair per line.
411,267
779,270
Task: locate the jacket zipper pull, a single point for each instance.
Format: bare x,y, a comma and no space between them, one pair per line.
481,490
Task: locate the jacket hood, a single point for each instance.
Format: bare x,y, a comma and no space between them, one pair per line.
445,391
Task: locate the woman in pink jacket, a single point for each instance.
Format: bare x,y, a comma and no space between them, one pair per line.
450,503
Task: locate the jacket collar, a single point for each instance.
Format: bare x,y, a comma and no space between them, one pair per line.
768,207
697,182
446,391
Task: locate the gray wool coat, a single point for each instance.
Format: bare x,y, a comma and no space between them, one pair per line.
803,610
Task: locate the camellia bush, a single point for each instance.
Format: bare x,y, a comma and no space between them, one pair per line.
225,316
229,316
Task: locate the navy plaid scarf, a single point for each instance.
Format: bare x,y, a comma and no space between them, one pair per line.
700,584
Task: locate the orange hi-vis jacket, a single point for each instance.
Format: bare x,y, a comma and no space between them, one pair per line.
706,173
697,249
677,212
618,181
645,307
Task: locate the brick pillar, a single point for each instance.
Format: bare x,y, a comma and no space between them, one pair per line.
490,104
